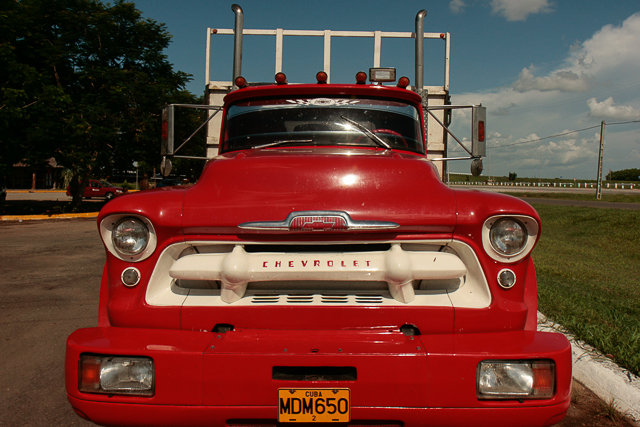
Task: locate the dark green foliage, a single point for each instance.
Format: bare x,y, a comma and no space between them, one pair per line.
624,175
83,82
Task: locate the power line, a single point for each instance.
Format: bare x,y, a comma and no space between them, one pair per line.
622,123
546,137
562,134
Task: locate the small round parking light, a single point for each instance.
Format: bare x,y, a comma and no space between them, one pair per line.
130,277
322,77
361,77
506,278
403,82
241,82
281,78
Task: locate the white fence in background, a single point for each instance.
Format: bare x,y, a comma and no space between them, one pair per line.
615,185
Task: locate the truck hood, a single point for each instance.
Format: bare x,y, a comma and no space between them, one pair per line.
270,184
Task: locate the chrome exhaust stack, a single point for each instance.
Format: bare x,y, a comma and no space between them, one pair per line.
237,43
420,50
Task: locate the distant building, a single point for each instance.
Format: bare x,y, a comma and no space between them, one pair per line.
45,175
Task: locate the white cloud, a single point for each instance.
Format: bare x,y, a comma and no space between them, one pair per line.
561,80
457,6
577,94
519,10
503,111
610,48
569,152
607,110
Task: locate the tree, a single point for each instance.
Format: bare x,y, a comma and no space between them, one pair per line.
624,175
512,176
84,82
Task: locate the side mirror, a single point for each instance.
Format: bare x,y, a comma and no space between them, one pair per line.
476,167
166,166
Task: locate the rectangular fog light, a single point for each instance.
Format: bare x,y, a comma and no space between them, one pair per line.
380,75
504,379
117,375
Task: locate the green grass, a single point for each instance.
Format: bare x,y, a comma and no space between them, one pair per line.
588,266
611,198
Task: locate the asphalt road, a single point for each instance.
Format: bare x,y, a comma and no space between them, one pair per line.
49,287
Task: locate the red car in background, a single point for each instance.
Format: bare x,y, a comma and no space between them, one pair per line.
101,188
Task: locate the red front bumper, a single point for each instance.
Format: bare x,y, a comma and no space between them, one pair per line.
212,379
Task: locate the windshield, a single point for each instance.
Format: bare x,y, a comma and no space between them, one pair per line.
322,122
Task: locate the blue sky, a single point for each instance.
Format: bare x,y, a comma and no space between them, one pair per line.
541,67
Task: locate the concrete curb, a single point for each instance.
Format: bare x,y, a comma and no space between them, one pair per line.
21,218
600,374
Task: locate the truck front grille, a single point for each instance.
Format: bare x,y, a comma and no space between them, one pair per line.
429,273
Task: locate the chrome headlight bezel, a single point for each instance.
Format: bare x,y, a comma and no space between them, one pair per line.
109,224
528,225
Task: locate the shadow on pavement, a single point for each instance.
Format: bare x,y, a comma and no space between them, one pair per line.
47,207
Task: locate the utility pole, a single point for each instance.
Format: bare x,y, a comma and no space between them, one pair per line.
599,190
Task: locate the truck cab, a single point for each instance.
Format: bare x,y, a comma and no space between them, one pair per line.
320,271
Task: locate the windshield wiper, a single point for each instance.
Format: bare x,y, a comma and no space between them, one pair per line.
286,141
375,138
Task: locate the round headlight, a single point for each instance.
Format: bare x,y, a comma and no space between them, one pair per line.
508,236
130,236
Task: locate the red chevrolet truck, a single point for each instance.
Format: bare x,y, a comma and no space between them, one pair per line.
321,272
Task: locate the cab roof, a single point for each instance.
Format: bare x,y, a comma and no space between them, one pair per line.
327,90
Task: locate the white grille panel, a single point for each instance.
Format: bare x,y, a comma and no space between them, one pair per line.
334,273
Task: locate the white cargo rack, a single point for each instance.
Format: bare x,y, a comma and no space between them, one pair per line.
431,95
279,33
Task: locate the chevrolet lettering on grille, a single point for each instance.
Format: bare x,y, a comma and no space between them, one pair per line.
316,263
318,221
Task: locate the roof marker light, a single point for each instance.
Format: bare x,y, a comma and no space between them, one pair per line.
403,82
322,77
281,78
241,82
361,77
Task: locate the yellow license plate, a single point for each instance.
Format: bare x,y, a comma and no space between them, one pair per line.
314,405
